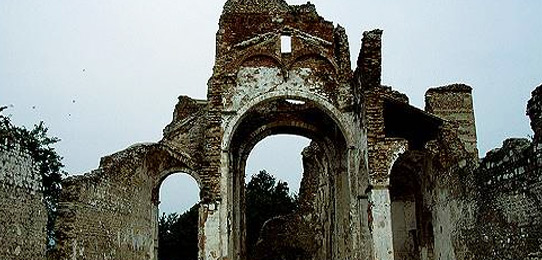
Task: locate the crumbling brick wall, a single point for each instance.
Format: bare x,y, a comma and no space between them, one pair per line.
305,233
23,216
112,212
454,103
509,219
491,209
510,201
107,214
364,129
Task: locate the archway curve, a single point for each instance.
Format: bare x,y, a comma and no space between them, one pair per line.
250,52
249,56
185,170
277,128
277,115
289,129
315,56
163,161
412,227
164,174
177,215
320,102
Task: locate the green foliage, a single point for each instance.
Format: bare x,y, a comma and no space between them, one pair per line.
265,199
178,235
40,145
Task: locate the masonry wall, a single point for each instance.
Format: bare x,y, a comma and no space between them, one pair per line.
454,103
454,191
454,207
491,209
111,213
107,214
23,216
510,202
509,217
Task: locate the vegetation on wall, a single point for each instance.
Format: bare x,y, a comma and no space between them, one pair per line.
40,146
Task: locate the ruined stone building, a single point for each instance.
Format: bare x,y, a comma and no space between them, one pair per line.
382,179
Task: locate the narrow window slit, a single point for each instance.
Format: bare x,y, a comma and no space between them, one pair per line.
285,44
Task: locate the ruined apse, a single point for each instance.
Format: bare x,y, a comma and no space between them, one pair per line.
382,179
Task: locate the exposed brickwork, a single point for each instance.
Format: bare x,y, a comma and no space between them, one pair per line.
454,103
379,170
509,220
111,213
304,234
534,111
23,216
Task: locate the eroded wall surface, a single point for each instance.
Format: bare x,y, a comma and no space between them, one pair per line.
23,216
364,131
108,214
509,220
510,214
492,209
112,212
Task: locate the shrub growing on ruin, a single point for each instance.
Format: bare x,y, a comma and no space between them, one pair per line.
40,146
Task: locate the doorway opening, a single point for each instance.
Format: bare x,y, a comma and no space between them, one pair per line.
273,176
178,218
411,217
303,230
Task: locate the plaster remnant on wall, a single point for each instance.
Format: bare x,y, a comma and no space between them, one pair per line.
382,179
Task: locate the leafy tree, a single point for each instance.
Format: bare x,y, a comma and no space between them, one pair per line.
40,145
265,198
178,235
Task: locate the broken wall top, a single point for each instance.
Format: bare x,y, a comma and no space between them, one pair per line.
534,111
251,28
255,6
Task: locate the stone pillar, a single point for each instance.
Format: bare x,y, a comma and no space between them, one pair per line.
382,155
380,214
454,103
209,239
155,227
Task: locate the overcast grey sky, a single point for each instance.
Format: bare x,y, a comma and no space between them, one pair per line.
105,74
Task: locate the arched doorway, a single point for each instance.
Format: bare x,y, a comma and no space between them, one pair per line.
325,170
411,218
272,176
177,217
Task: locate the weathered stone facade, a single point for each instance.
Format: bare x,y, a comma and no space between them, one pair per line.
509,216
382,179
23,218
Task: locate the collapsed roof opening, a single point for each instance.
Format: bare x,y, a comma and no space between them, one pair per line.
404,121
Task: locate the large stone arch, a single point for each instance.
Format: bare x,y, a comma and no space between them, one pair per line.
360,131
272,113
329,109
